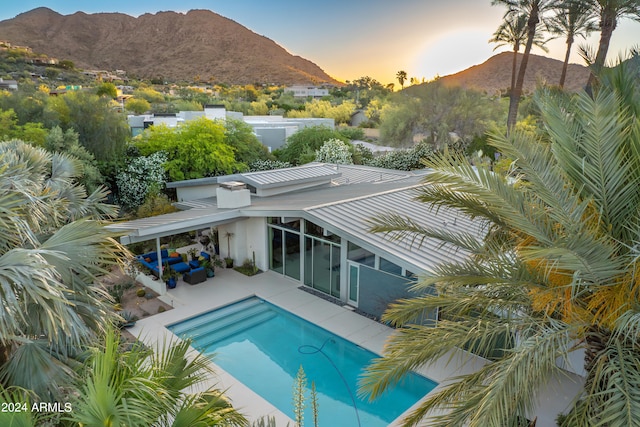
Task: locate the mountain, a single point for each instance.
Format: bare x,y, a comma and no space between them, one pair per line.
494,75
199,45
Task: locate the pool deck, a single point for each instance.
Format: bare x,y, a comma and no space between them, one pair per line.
229,286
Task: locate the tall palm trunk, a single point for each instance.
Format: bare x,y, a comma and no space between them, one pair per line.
516,93
565,65
514,68
608,23
595,340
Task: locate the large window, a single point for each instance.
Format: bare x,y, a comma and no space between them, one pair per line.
322,265
284,247
360,255
319,257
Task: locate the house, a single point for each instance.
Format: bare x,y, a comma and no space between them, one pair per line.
311,224
357,118
8,84
301,91
271,131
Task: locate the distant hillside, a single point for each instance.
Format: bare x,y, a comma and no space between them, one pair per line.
494,75
199,45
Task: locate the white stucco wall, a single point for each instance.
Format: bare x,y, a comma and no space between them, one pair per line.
184,194
249,235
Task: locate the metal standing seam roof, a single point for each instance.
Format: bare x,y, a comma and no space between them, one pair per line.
353,216
172,223
379,191
289,176
358,174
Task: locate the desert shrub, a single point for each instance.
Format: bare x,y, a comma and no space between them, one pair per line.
265,165
405,160
334,151
351,133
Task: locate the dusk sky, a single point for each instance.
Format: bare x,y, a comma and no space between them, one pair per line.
355,38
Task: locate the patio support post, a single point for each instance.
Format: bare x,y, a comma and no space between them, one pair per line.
159,252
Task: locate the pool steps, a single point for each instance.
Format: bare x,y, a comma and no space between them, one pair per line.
212,327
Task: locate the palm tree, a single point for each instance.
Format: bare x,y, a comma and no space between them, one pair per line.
142,387
533,10
572,18
610,11
402,77
53,246
513,32
557,270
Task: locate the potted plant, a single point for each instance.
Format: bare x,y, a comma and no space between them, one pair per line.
228,260
210,264
206,264
193,253
169,276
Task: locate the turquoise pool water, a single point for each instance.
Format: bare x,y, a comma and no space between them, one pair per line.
263,346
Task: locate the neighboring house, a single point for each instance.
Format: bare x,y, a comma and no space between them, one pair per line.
357,118
310,224
138,123
8,84
272,131
300,91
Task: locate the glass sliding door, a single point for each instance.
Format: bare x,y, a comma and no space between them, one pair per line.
292,255
335,271
316,250
275,249
321,274
322,265
354,276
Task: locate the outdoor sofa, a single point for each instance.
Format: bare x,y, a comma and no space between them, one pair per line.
197,275
150,260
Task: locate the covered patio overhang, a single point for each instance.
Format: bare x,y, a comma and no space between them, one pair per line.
154,228
144,229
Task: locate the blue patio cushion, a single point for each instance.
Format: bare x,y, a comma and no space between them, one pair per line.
194,263
181,267
197,275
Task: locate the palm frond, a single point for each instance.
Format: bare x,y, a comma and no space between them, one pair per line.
500,393
399,228
592,147
33,367
611,395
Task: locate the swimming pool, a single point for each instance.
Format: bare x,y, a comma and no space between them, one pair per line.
263,346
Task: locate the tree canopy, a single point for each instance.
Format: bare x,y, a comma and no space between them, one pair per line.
52,238
194,150
103,131
557,270
442,115
301,147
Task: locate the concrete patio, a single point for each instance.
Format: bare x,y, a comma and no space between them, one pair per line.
229,286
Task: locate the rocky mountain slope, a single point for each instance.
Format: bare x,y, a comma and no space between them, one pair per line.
494,75
197,46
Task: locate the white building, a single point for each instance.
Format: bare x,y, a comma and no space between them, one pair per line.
272,131
301,91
